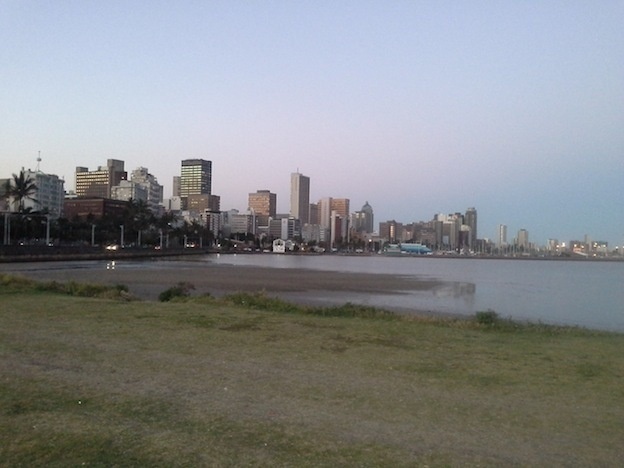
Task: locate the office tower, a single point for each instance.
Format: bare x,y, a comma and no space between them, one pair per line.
300,197
100,182
324,212
264,204
195,179
314,213
175,192
363,219
502,235
523,239
341,207
470,219
203,202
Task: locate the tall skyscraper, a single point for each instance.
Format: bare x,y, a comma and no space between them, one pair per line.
470,219
300,197
502,235
523,239
363,219
195,179
99,183
324,212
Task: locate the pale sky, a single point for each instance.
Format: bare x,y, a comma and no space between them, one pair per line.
418,107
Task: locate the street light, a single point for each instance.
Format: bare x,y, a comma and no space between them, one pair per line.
121,226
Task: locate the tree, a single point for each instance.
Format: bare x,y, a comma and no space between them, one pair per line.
21,188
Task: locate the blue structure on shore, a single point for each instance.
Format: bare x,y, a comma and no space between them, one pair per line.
414,249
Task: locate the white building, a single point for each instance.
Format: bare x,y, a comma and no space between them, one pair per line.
49,195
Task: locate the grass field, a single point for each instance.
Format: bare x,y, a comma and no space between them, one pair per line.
109,382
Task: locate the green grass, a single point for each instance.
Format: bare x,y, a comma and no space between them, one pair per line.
251,380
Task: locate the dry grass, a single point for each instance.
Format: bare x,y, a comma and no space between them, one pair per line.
104,382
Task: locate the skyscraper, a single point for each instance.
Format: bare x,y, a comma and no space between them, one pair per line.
195,179
502,235
363,219
470,219
300,197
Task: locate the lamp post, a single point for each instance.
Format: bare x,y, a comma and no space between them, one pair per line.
47,229
93,235
7,228
121,226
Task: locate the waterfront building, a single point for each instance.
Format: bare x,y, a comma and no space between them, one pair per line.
324,212
470,220
501,236
390,231
99,183
48,196
195,179
363,221
154,191
522,241
300,197
264,204
83,208
341,207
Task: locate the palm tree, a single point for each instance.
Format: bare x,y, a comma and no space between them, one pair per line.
21,188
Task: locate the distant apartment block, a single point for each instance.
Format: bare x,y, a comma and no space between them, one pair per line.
154,191
49,195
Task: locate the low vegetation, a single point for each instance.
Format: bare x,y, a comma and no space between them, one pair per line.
250,380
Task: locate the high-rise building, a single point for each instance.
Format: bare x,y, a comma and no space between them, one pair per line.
49,194
470,219
142,177
100,182
341,207
175,192
264,204
502,235
363,220
196,177
300,197
522,240
324,212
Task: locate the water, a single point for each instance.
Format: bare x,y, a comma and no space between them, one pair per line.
583,293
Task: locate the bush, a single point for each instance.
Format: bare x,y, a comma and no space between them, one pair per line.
181,289
487,317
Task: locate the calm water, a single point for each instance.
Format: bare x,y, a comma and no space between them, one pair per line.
589,294
584,293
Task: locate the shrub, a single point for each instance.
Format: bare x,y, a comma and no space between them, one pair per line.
487,317
180,290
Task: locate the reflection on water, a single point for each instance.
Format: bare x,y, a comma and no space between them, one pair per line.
455,290
110,265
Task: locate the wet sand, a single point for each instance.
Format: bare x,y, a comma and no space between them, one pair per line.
147,283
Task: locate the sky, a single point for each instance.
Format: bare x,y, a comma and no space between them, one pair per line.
418,107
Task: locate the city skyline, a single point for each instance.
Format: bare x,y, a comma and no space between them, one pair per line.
418,108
